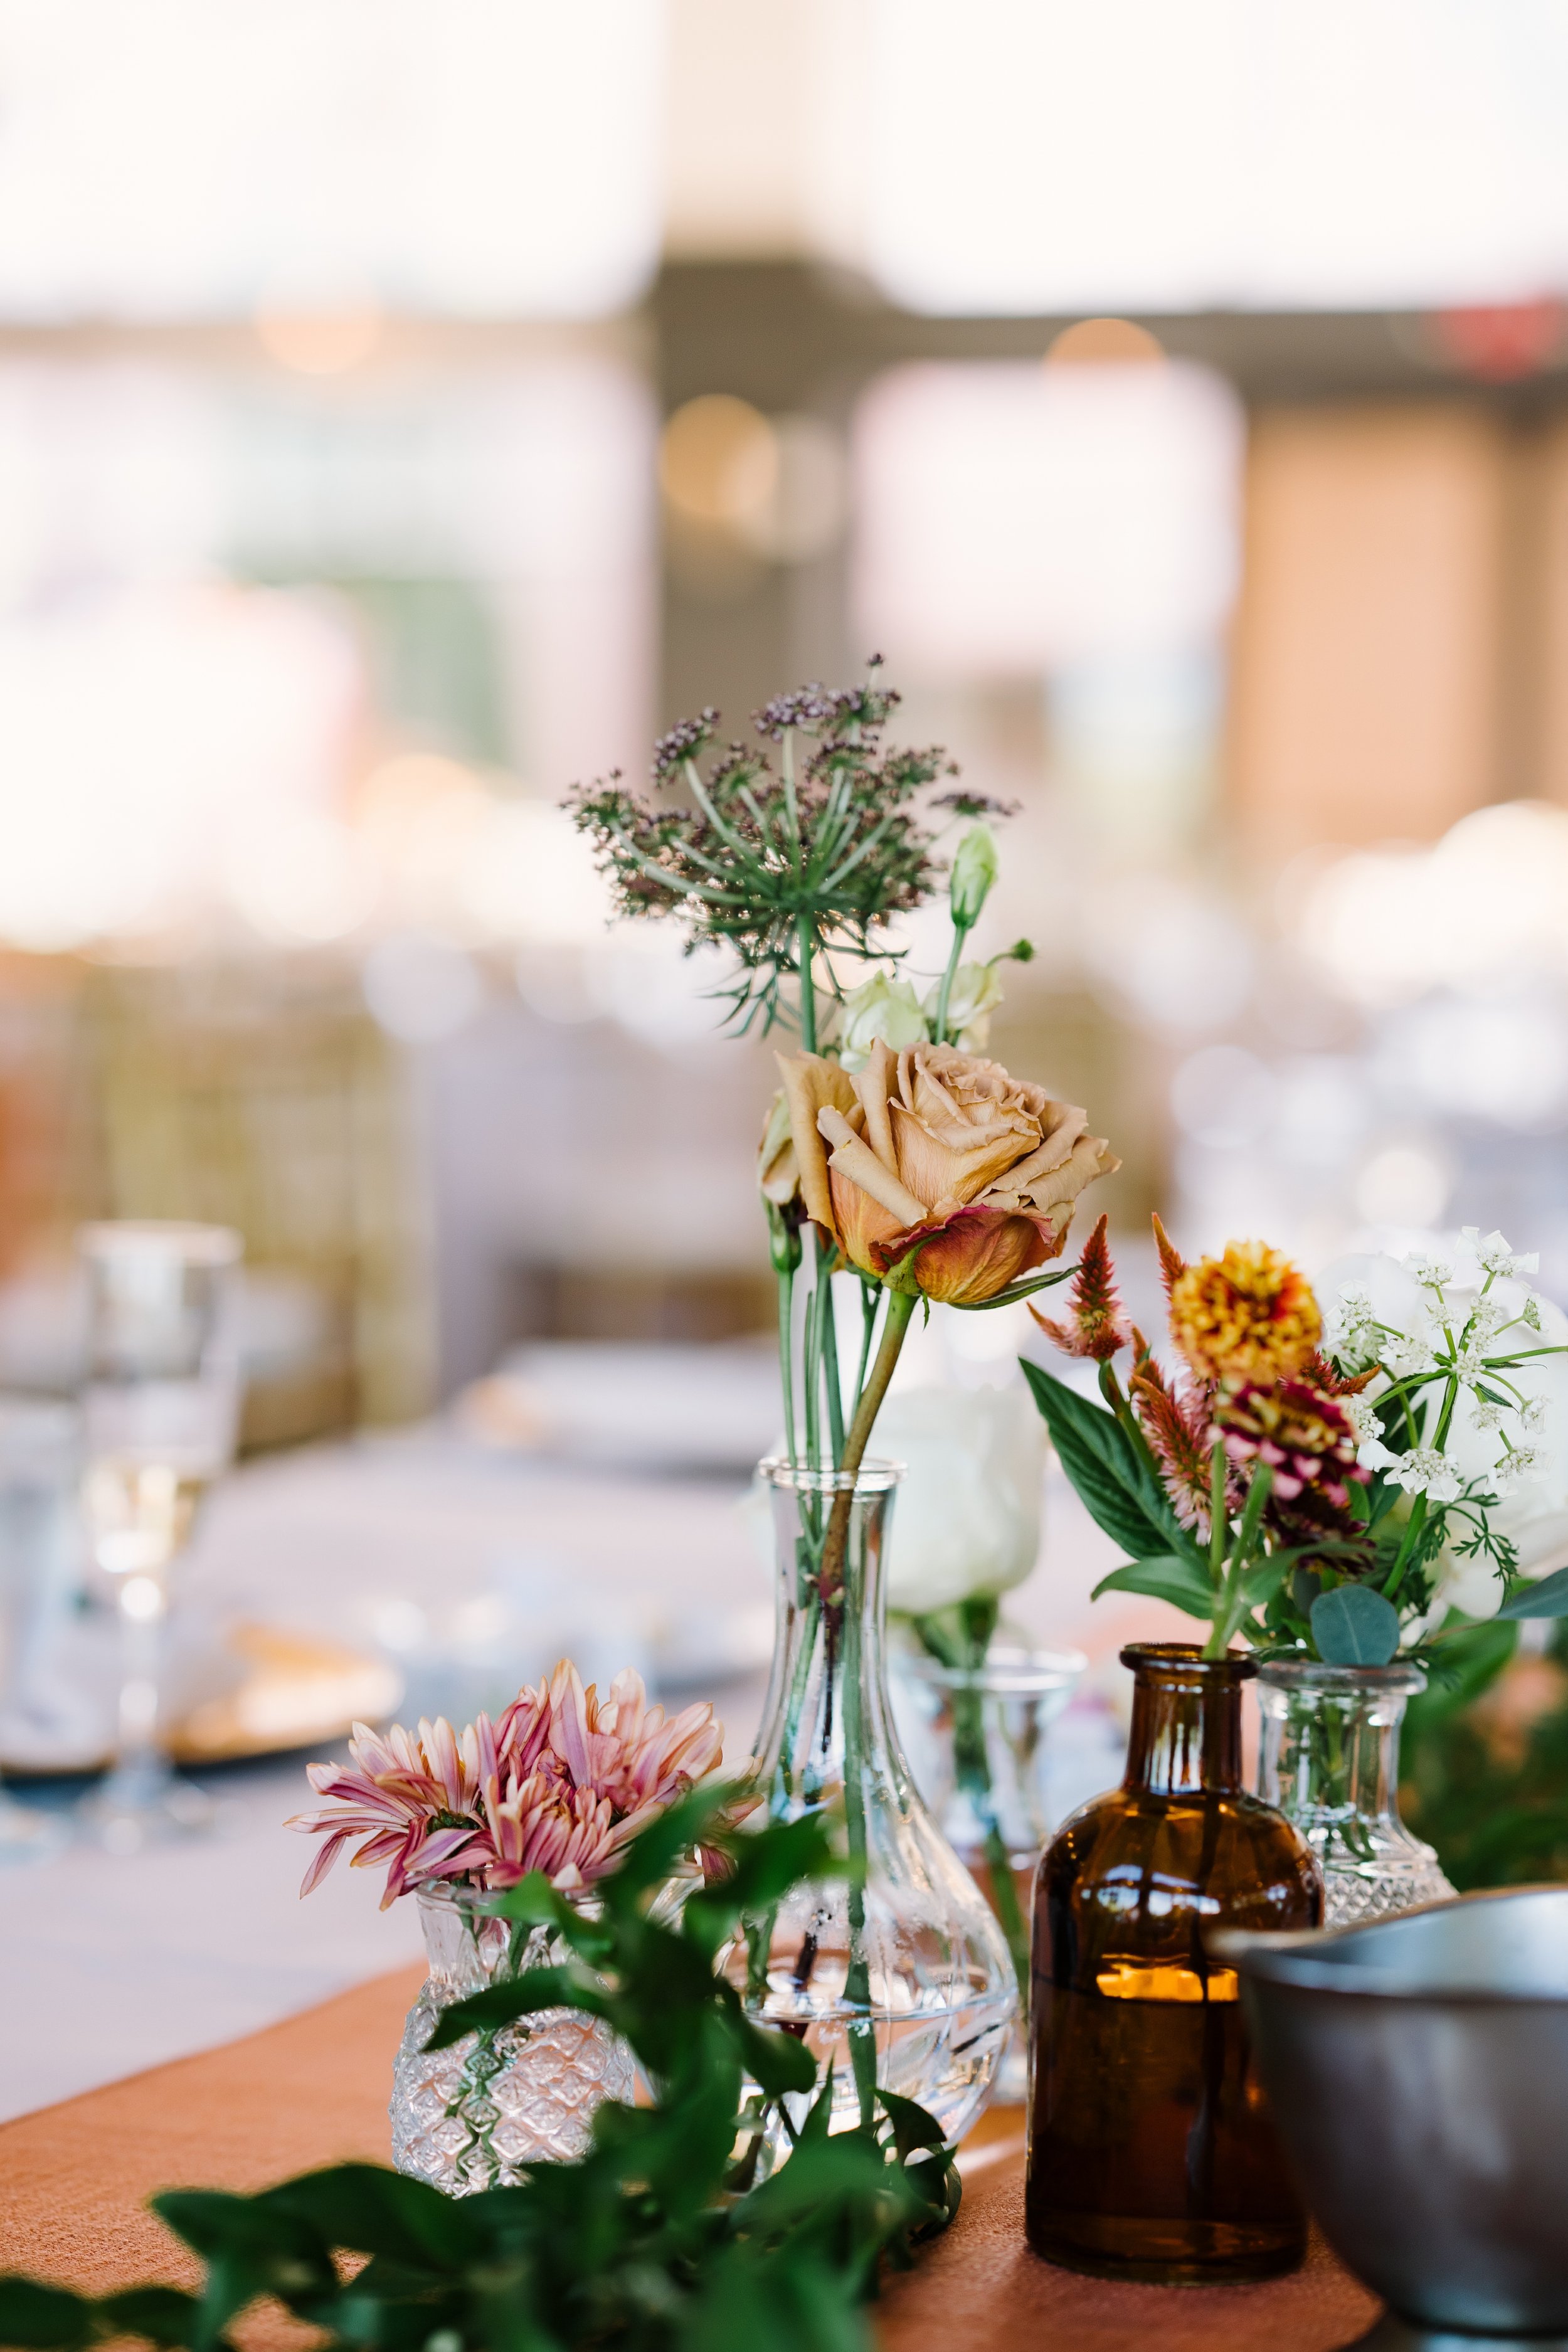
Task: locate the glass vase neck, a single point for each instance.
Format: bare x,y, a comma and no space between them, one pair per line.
829,1678
1185,1736
1330,1738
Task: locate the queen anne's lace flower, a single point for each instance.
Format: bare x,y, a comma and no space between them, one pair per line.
1493,1255
1517,1463
1423,1471
1360,1412
1433,1273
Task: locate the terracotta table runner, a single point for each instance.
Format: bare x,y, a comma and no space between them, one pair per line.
313,2091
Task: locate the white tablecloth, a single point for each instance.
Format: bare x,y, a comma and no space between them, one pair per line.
474,1570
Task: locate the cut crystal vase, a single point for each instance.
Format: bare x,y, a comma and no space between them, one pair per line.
976,1739
899,1976
473,2116
1330,1760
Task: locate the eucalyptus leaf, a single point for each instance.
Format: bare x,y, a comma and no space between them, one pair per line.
1355,1625
1547,1599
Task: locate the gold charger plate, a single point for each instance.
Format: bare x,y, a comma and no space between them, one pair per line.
295,1690
267,1692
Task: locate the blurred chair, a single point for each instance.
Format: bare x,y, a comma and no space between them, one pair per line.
251,1096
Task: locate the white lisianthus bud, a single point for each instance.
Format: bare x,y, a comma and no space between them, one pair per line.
967,1519
975,993
883,1006
974,871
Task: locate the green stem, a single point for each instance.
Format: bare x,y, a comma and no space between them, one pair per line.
805,934
870,1301
1417,1520
959,935
901,1306
786,1358
857,1976
1232,1608
810,1388
828,1329
1218,1528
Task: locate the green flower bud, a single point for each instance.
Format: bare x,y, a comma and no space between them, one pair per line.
783,1238
973,872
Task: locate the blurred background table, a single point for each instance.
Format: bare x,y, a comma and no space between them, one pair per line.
455,1571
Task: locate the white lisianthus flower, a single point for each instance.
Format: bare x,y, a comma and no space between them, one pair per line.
975,993
883,1007
967,1519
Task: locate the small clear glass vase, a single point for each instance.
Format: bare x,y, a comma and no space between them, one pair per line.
475,2115
1330,1760
976,1739
899,1977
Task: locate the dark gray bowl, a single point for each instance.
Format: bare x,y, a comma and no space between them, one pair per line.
1417,2071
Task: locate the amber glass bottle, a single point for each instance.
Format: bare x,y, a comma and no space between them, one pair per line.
1150,2155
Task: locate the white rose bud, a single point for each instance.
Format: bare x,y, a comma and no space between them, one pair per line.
973,872
884,1007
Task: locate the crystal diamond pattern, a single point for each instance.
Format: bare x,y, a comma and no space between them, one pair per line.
477,2115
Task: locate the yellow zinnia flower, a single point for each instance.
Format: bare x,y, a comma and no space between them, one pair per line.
1246,1316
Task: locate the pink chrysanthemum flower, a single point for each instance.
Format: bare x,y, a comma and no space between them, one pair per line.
559,1784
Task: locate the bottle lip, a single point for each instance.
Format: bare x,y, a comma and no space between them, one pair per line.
871,1478
1311,1673
1185,1661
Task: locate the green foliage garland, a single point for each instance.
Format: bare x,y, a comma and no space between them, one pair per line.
661,2238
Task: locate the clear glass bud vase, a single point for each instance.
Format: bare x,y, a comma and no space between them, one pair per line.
976,1739
473,2116
1330,1760
899,1977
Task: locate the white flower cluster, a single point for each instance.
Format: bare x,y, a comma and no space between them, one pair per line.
1493,1255
1468,1400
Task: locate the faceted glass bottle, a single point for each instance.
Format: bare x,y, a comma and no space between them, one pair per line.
1150,2155
1330,1760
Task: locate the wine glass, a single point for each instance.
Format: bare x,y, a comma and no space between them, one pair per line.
160,1411
38,1525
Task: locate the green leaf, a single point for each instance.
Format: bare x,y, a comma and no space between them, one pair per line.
913,2125
1167,1576
763,1864
1025,1287
1355,1625
32,2314
517,1996
162,2315
1547,1599
777,2062
1112,1478
369,2211
1263,1580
